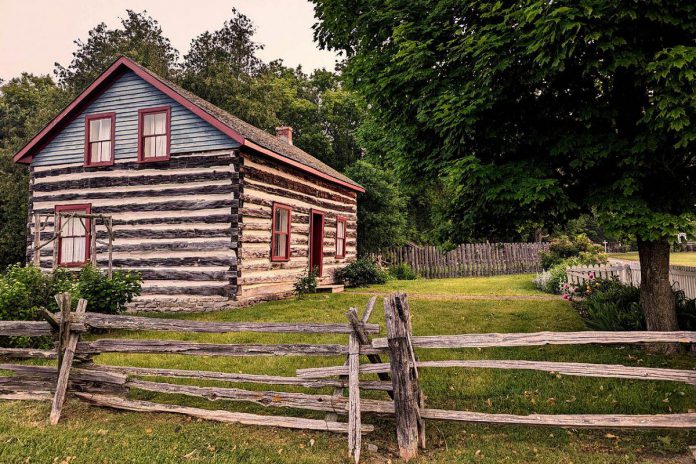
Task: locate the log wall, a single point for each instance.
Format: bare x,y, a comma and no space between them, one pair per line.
175,222
264,182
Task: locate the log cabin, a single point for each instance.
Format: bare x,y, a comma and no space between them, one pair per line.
212,211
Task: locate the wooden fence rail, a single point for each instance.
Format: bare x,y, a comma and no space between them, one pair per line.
108,386
469,259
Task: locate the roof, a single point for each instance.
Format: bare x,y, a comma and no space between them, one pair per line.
246,134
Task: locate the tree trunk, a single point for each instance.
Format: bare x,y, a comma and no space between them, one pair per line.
656,297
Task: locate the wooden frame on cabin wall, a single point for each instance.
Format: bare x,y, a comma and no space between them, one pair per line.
282,234
141,136
83,208
88,142
341,248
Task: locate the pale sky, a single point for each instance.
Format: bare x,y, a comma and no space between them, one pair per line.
36,33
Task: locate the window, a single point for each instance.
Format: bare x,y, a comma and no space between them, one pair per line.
99,139
340,237
280,241
73,245
154,134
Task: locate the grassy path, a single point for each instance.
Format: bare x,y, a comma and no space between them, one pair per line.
92,435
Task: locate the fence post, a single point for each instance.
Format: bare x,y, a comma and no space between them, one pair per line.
404,382
354,421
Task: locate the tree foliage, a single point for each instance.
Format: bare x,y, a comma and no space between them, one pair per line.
529,113
139,38
382,219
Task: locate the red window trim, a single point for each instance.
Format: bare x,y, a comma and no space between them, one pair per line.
341,253
88,157
141,147
87,209
275,233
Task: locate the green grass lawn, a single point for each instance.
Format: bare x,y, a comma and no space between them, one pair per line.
92,435
687,258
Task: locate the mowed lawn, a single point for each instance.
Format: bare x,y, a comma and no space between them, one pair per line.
686,258
88,434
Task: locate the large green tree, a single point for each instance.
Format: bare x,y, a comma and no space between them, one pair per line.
530,113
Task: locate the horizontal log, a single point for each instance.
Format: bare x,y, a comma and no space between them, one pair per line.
108,321
162,262
611,421
199,189
240,378
249,196
174,205
207,219
220,416
330,403
254,174
76,374
179,289
126,181
176,162
27,353
210,349
25,328
565,368
27,395
146,233
193,275
543,338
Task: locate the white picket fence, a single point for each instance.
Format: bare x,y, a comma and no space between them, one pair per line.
682,277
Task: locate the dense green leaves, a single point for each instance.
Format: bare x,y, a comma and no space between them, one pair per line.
529,113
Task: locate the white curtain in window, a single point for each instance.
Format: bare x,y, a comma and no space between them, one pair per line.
154,132
73,241
100,139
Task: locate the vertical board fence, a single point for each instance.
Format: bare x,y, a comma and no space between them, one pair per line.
469,259
108,386
682,277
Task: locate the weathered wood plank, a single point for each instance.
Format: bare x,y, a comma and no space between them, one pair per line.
220,416
564,368
354,420
108,321
543,338
66,361
210,349
25,328
201,189
235,377
397,315
28,353
611,421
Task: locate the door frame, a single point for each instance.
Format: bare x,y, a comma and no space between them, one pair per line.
314,212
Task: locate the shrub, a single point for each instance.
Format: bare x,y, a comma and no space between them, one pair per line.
686,311
611,305
108,295
306,283
402,272
361,273
562,248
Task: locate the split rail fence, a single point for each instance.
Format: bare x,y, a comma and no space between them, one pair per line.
682,277
469,259
108,386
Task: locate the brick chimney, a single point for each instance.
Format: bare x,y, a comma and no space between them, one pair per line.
284,133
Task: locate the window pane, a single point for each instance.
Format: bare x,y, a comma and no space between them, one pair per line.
161,145
105,154
78,255
341,229
339,246
281,220
66,250
149,124
149,150
160,123
280,245
99,129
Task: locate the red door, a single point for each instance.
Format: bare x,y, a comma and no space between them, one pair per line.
316,241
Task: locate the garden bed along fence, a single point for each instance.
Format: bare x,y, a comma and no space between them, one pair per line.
107,386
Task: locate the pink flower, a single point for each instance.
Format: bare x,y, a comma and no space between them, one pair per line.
591,275
565,296
565,285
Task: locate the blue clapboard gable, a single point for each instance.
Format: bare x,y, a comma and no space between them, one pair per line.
125,97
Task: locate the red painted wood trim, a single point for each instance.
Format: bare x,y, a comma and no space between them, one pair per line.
168,128
312,213
258,148
88,156
340,254
87,209
24,155
287,234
